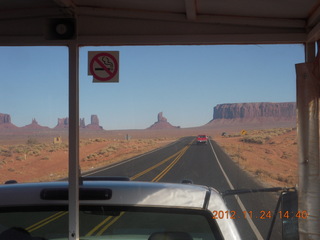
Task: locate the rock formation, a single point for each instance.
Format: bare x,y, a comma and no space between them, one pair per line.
5,118
161,118
5,122
162,123
82,123
34,125
254,112
94,125
62,123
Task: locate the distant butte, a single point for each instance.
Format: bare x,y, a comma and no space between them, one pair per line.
258,114
5,122
34,125
162,123
254,113
94,125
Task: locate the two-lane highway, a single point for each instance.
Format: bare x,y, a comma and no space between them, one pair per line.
204,164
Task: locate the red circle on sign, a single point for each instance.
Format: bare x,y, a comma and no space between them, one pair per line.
103,66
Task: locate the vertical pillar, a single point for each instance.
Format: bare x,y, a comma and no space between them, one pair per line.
74,168
308,94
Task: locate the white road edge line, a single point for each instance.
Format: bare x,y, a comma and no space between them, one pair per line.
251,223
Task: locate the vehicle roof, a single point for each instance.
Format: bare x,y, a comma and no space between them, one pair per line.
123,193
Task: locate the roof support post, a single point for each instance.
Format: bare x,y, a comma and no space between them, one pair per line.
74,169
308,101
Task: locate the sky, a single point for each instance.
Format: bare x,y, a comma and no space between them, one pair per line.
183,82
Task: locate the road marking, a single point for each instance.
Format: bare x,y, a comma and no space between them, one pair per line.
178,156
109,224
46,221
98,226
168,168
104,228
58,215
153,167
251,223
129,160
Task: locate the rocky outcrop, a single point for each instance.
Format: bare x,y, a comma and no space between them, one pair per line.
82,123
5,122
62,123
286,110
161,118
254,112
94,125
35,126
162,123
5,118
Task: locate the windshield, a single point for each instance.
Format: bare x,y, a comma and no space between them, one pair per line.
101,222
147,126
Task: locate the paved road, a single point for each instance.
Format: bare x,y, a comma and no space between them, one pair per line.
206,165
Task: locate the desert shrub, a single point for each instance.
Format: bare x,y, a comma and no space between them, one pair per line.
286,155
262,172
5,153
269,160
32,141
237,156
99,140
56,147
90,157
282,179
85,142
20,158
33,152
234,135
254,139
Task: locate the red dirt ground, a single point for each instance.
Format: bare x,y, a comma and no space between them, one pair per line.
273,162
48,165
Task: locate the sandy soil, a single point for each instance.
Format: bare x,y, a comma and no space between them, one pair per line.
272,161
48,162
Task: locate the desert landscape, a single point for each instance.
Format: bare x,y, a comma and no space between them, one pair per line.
270,156
34,161
259,137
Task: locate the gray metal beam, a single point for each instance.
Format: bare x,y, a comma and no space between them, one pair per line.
74,168
308,100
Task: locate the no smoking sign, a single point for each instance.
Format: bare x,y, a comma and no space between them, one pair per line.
104,66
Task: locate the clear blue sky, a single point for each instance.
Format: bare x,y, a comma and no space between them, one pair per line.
183,82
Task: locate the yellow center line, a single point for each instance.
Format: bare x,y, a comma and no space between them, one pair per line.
108,225
98,226
46,221
60,214
170,166
178,156
154,166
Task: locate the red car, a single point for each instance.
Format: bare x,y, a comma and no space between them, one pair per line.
202,139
